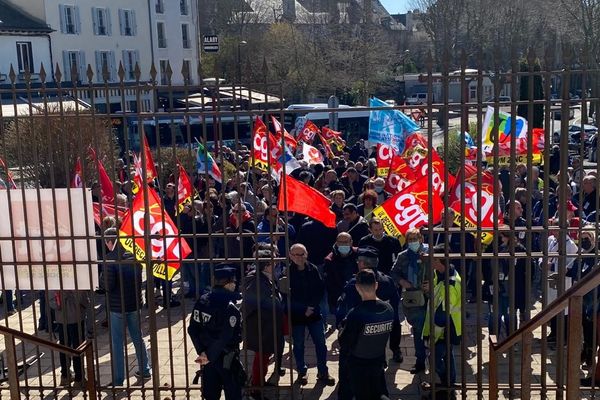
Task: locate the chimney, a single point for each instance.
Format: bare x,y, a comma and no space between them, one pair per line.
289,10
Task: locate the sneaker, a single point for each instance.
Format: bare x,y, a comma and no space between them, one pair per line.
65,380
139,375
418,368
326,379
302,380
398,356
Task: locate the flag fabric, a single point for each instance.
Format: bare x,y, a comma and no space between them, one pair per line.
305,200
333,138
400,175
389,127
416,154
312,155
468,191
384,157
283,156
504,125
106,185
327,147
151,173
77,180
260,147
137,174
308,133
107,210
9,176
185,189
521,149
280,130
167,248
205,164
409,209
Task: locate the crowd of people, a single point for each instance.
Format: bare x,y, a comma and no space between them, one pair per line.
353,278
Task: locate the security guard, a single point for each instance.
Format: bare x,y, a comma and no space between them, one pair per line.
363,337
215,330
386,291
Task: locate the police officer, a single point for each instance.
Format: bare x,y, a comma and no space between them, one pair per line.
215,330
386,291
363,337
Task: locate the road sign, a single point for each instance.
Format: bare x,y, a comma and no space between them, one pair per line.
210,43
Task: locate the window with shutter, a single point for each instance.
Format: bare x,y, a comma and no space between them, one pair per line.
185,36
25,57
69,17
160,31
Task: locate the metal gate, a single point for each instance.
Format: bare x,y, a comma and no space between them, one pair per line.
46,127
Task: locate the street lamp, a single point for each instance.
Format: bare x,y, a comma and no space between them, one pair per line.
239,60
406,55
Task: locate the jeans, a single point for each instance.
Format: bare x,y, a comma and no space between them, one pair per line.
503,303
8,299
443,362
73,339
315,329
118,322
417,321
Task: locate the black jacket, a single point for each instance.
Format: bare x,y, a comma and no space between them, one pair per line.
387,247
122,280
318,240
306,290
338,271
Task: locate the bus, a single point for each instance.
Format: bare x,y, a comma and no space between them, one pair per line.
353,122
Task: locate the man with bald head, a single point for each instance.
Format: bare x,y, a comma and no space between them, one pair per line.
306,291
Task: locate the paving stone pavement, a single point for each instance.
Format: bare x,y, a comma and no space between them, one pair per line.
176,367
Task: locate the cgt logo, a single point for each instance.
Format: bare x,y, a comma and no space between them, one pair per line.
168,246
409,213
385,153
470,194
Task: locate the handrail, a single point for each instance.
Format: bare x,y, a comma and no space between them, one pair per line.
572,298
85,348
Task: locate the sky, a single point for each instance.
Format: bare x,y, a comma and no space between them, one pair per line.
396,6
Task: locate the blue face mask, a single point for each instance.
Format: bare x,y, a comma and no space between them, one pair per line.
378,189
344,250
414,246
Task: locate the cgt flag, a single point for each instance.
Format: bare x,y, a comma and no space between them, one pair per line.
400,176
469,192
309,132
279,130
151,173
385,154
333,138
167,248
409,209
311,155
305,200
260,148
185,190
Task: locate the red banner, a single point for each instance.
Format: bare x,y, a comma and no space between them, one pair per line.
260,148
400,176
185,190
151,173
333,137
469,191
166,252
308,132
107,210
77,180
385,154
409,209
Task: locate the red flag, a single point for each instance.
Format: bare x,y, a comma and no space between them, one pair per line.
469,191
333,137
106,185
260,148
151,173
385,154
409,209
400,176
137,174
311,155
167,248
77,181
107,210
416,155
305,200
308,132
9,176
279,130
327,147
185,190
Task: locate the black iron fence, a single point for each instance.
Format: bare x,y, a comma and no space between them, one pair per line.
519,240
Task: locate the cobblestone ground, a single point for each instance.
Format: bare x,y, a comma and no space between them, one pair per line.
176,367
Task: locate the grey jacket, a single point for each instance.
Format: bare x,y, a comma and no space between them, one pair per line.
70,305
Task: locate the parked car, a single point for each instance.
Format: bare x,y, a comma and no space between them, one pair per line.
575,135
501,99
416,99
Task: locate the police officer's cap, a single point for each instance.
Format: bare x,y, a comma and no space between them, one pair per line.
368,252
224,272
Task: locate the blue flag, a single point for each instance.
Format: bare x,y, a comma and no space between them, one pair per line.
390,127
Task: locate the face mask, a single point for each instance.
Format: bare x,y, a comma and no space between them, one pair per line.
378,189
344,250
586,244
414,246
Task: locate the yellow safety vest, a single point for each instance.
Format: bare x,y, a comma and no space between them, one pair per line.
439,300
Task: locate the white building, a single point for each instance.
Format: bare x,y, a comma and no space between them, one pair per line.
104,33
24,44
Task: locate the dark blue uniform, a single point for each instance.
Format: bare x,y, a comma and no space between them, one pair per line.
363,337
215,329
